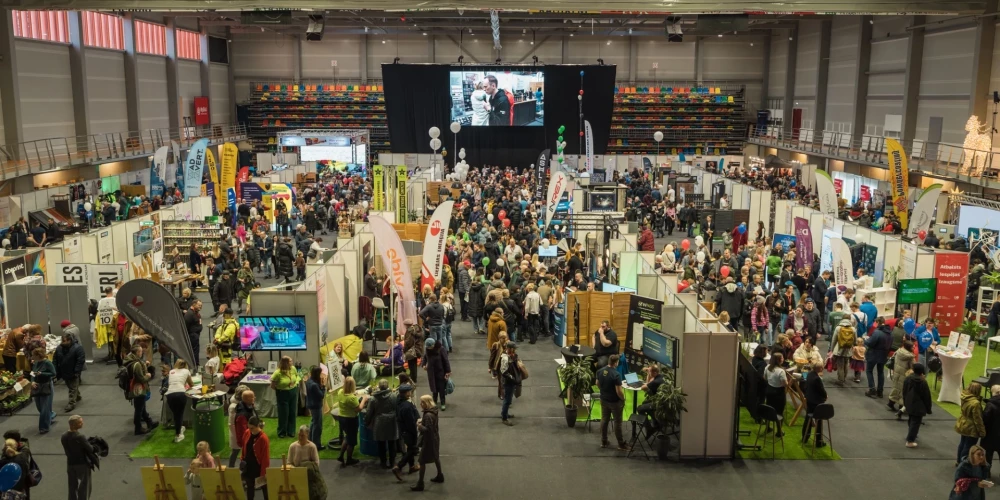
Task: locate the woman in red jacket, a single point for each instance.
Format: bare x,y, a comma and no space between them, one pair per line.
256,456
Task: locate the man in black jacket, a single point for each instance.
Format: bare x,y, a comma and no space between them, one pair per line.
224,291
815,393
433,316
70,362
917,399
371,284
876,355
192,319
501,105
80,460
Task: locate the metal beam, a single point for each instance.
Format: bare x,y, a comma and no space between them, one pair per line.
132,105
822,77
431,49
982,62
864,58
911,82
463,50
766,72
78,74
565,50
363,58
789,100
10,94
531,52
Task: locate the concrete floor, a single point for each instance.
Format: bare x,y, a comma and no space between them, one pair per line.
539,457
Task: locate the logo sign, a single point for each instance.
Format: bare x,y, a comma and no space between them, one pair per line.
13,270
541,168
201,115
378,188
98,278
401,176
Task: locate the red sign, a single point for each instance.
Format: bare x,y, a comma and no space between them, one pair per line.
201,116
866,193
952,272
241,177
838,186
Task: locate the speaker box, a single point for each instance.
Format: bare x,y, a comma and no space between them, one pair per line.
314,32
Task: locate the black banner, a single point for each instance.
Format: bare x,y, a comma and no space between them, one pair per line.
541,168
647,166
155,310
642,311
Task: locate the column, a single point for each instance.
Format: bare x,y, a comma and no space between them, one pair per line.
431,49
822,77
78,76
296,58
911,82
363,58
633,58
231,76
132,104
766,72
789,100
10,95
982,62
174,111
698,70
565,50
864,58
205,69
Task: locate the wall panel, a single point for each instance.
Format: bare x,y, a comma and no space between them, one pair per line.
409,49
218,75
153,92
189,86
807,58
106,91
46,90
675,61
317,57
843,69
947,68
778,66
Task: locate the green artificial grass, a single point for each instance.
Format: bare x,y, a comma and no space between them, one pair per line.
794,448
973,370
584,411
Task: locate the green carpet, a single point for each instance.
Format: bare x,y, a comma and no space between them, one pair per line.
794,448
973,370
595,414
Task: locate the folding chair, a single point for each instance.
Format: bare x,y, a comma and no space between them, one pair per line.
638,420
588,400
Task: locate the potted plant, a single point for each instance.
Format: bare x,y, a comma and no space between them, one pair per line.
668,403
991,279
577,377
973,329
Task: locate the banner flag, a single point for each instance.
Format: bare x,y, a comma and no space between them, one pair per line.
158,173
174,174
231,203
558,184
147,304
920,219
826,193
803,243
397,265
219,193
401,177
899,181
437,234
194,168
589,144
541,168
230,164
243,176
378,188
843,266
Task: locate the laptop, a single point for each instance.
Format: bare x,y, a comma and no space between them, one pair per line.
632,380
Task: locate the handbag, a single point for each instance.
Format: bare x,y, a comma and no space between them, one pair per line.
830,367
891,364
450,386
524,370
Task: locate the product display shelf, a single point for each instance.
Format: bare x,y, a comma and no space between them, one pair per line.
885,299
694,120
986,297
181,234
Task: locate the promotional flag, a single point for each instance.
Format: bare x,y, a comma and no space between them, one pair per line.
218,192
541,168
803,243
589,145
158,173
923,212
242,177
230,163
838,186
434,240
843,267
378,188
194,168
231,203
174,174
394,260
142,301
647,166
826,193
866,193
899,181
952,272
558,184
401,177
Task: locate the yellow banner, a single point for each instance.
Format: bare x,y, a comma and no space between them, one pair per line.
378,189
220,194
401,177
899,179
268,207
230,164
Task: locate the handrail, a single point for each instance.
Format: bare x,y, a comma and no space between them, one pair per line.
938,159
46,155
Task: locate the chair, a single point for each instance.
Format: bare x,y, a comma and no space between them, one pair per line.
639,420
987,382
588,400
823,412
770,422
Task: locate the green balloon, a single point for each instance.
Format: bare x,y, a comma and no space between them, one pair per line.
562,128
560,139
486,261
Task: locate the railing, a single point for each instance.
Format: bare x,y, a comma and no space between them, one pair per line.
47,155
938,159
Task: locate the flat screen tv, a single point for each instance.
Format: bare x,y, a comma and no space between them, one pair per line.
272,333
917,291
497,98
142,241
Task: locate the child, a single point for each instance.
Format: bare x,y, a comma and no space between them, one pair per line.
165,373
858,359
204,460
300,267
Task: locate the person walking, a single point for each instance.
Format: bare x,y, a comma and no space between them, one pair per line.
43,372
477,301
609,381
413,348
510,378
972,476
843,342
192,320
438,370
903,362
139,376
969,425
70,361
532,312
407,418
433,316
80,460
350,405
876,354
285,382
430,450
381,419
315,393
256,457
917,400
236,402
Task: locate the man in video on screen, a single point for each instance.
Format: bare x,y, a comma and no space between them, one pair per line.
501,104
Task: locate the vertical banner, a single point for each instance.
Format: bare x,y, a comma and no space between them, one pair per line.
647,165
826,193
201,116
899,181
589,145
231,203
230,163
378,188
803,243
213,172
558,184
838,186
866,193
158,174
175,175
923,212
394,259
194,169
952,272
642,312
401,176
143,301
541,168
242,177
843,268
437,233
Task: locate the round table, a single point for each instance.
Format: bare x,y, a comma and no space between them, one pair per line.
952,369
577,352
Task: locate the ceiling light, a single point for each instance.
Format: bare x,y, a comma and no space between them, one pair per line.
570,34
425,33
789,39
470,31
366,29
383,41
720,35
532,42
609,42
524,31
751,44
871,21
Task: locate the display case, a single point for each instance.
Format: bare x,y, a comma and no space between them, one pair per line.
181,234
985,301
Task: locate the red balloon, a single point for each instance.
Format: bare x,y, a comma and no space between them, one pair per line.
724,271
581,134
503,214
581,91
506,223
685,245
922,234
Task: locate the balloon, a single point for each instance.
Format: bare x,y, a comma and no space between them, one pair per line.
455,127
545,243
434,132
658,136
500,262
486,261
506,223
685,245
490,217
581,74
581,133
724,271
562,128
579,97
502,214
559,140
581,91
364,204
742,229
922,234
435,144
87,206
9,475
699,241
701,257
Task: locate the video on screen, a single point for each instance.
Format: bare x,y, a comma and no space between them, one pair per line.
272,333
502,98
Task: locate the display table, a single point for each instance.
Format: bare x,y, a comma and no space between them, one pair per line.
952,369
577,351
267,399
986,364
177,281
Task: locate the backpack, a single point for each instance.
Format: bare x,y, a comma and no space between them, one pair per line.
845,337
124,377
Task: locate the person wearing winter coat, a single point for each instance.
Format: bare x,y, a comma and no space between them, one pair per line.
876,354
464,284
494,327
730,300
381,419
70,362
224,291
903,363
256,455
991,420
413,347
430,451
972,476
646,242
407,418
842,346
438,369
969,425
917,399
285,257
234,436
477,302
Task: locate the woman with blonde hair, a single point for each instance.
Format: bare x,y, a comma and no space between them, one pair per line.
11,455
234,436
285,382
178,382
972,476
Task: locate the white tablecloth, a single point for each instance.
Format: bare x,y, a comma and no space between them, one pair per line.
952,369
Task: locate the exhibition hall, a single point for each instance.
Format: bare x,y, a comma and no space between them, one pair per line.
298,250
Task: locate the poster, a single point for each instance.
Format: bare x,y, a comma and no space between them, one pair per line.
5,211
378,189
952,272
13,269
34,264
589,147
98,278
213,175
785,240
908,261
803,243
72,249
838,186
642,312
321,312
866,193
868,259
402,216
899,180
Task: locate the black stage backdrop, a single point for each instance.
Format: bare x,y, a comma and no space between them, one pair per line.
418,97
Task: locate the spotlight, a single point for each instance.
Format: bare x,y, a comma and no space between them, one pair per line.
630,31
366,29
751,44
524,31
871,21
383,41
531,42
570,34
720,35
609,42
789,39
395,61
470,31
425,33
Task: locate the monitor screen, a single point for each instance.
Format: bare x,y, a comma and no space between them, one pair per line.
272,333
657,347
917,291
142,241
498,98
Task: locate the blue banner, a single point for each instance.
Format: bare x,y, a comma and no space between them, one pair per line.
231,201
194,169
155,183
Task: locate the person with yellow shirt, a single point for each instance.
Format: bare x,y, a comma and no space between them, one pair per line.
350,406
225,335
285,382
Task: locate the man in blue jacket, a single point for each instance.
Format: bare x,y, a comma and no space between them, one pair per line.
927,338
871,312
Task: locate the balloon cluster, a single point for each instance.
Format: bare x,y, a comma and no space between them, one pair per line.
435,134
560,145
461,168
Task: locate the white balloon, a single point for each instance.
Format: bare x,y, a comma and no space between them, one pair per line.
658,136
490,217
563,144
499,262
701,257
579,97
364,203
435,144
434,132
699,241
545,243
5,242
461,154
87,206
455,127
